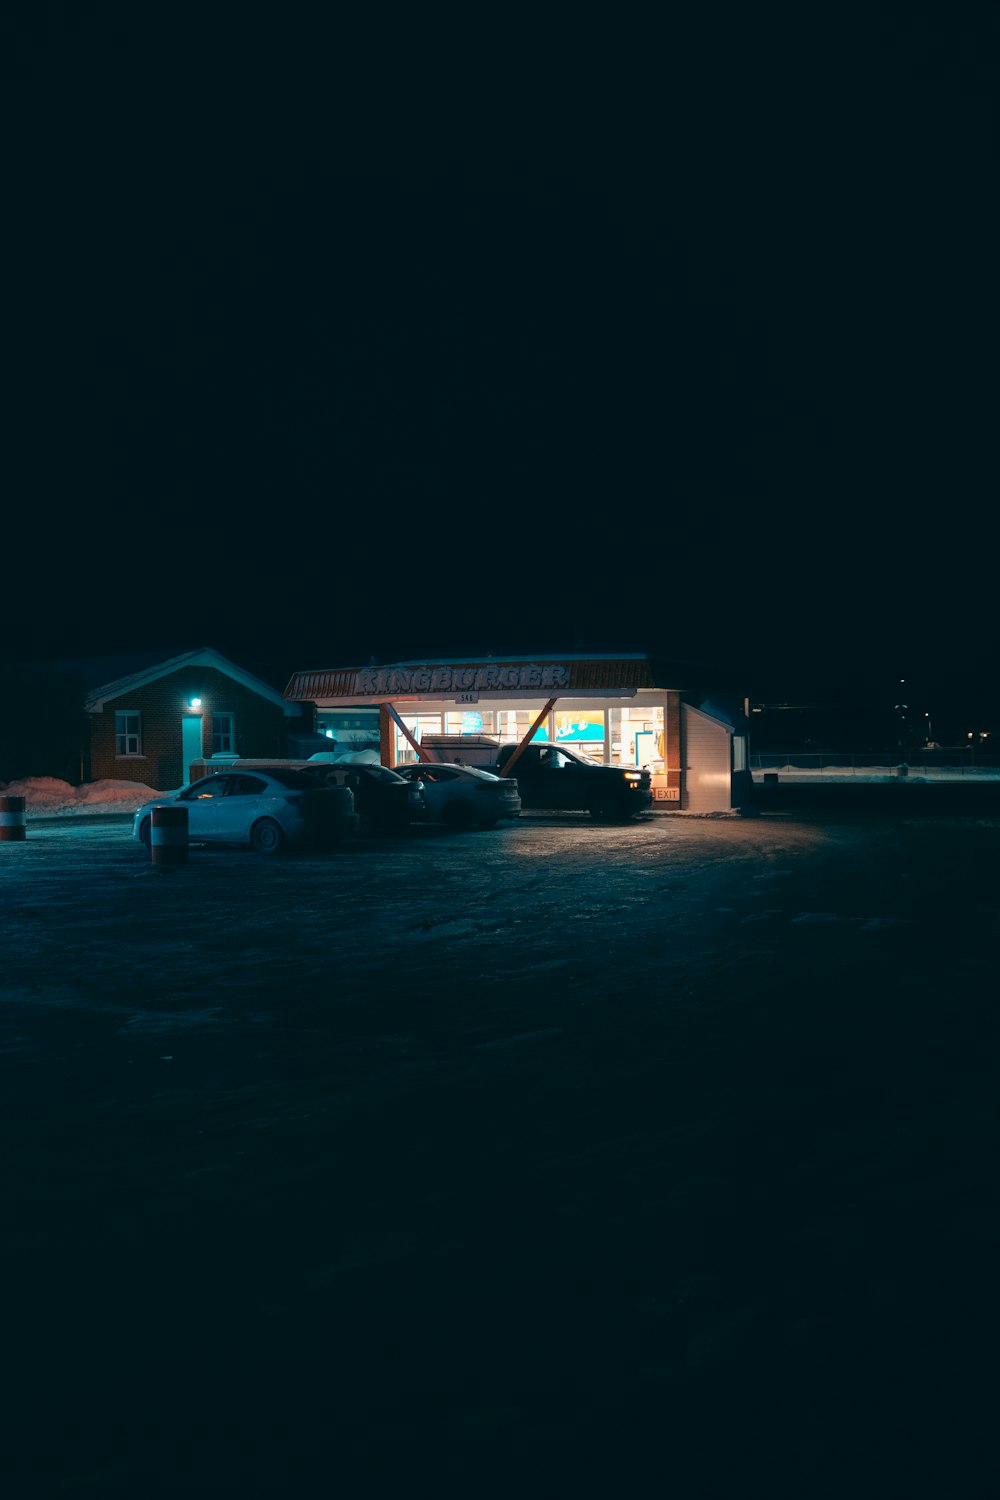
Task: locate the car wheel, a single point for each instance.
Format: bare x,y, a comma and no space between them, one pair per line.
145,831
458,815
267,837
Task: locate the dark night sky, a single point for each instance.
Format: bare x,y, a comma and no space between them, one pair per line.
333,345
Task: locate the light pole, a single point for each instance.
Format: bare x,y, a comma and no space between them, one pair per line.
973,739
901,710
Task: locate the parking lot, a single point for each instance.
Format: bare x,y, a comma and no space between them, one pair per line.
535,1155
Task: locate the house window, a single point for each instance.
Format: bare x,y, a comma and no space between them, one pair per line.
128,733
222,734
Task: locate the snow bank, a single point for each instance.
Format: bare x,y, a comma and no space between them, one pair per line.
878,773
47,796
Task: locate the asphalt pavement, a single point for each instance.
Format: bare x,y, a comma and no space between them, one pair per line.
557,1158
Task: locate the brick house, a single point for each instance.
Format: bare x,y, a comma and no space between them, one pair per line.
151,725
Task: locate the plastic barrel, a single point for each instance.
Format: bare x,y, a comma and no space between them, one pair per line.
168,835
12,829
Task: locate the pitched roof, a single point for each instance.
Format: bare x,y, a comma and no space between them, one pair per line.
157,666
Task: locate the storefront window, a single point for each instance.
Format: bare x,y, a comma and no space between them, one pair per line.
619,735
637,736
584,729
471,721
418,725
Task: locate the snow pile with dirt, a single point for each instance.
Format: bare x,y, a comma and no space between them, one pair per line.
48,797
876,773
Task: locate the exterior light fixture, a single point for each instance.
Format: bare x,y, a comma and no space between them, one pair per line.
195,702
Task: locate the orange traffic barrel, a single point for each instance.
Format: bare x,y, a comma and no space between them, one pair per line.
12,827
168,835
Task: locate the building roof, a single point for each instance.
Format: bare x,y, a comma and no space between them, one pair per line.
157,666
567,673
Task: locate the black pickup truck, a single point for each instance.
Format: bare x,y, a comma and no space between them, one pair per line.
549,776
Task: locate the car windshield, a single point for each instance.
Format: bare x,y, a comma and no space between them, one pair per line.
299,781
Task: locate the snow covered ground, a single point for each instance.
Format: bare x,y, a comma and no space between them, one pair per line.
879,773
47,796
565,1151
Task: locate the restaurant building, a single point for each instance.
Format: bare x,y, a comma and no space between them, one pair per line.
628,709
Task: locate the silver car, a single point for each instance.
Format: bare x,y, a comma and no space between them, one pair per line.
465,796
267,810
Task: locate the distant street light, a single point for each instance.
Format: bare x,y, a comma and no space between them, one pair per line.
974,738
902,731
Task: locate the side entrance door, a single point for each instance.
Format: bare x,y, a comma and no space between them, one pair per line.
191,744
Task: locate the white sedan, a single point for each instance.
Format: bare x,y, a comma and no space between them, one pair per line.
264,809
464,796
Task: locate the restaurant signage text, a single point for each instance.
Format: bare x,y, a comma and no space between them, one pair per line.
493,678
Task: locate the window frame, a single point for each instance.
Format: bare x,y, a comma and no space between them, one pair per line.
218,748
124,735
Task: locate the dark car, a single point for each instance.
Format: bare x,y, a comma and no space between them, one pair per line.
383,800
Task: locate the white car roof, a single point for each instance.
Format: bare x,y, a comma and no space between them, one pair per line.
347,757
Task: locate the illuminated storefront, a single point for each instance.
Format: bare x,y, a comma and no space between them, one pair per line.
630,710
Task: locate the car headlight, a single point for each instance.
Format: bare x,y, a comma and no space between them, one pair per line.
633,775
